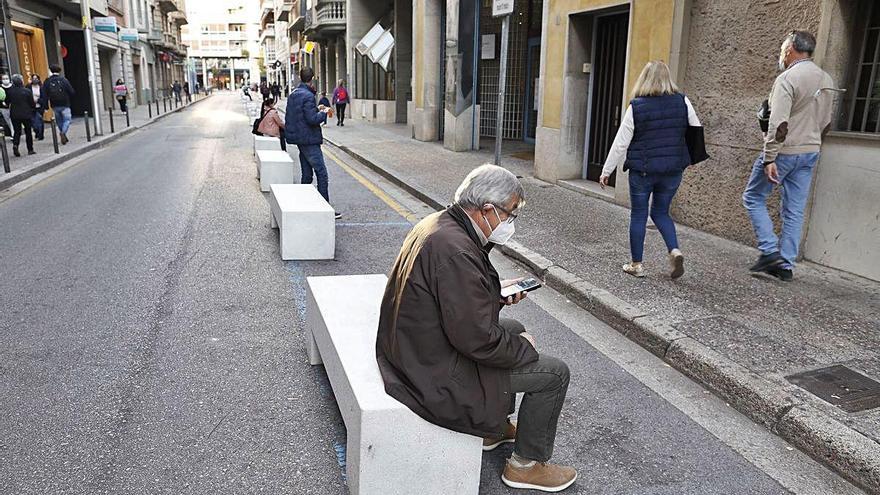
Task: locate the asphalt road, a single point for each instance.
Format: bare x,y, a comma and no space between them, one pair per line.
150,342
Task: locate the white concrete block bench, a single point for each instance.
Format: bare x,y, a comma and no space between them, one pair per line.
267,143
305,222
274,167
390,450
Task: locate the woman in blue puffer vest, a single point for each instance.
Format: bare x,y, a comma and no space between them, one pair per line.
651,144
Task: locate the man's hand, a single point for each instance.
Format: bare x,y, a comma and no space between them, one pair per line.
530,338
772,172
516,298
603,181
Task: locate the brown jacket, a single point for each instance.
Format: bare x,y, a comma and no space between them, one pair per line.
440,348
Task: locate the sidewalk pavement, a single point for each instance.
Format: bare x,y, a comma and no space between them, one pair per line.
45,158
738,334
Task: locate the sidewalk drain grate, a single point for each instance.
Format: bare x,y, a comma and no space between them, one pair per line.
840,386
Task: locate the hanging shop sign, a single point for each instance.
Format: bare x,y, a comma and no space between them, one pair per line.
104,24
309,47
128,34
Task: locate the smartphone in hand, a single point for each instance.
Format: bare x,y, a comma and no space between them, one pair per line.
525,285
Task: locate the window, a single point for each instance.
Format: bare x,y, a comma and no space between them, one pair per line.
865,110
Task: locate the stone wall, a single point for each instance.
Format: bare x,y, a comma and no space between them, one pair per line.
731,64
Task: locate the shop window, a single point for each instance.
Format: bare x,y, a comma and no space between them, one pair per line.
864,114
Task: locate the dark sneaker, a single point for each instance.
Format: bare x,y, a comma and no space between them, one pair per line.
784,274
63,138
539,476
32,152
15,151
766,261
337,215
509,437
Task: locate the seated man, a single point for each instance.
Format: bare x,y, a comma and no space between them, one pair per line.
444,353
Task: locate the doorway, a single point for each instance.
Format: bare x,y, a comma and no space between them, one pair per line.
533,71
610,32
138,89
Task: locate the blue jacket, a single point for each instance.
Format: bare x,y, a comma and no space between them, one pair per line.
658,145
302,123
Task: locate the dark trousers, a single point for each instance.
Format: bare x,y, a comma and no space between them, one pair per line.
123,106
544,384
17,126
311,161
283,141
340,113
659,190
38,125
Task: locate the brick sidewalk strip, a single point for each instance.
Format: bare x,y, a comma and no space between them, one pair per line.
29,165
739,335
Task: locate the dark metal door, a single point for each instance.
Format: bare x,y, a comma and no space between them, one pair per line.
533,66
606,96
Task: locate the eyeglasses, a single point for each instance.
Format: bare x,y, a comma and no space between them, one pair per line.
511,216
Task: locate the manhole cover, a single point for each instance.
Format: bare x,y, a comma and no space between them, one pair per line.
840,386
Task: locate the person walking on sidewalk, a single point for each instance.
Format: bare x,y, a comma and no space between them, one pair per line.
271,123
121,93
800,114
5,85
340,99
444,352
175,88
186,92
651,144
21,110
60,91
302,127
42,103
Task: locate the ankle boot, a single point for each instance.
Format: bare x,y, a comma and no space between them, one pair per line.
15,151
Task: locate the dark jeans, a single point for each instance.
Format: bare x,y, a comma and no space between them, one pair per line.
38,125
17,125
659,189
311,161
340,113
123,107
544,384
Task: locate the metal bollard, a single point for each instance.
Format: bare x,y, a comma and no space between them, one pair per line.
164,102
110,112
157,107
88,129
127,122
6,167
54,137
150,109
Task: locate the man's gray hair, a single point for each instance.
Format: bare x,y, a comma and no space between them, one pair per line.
801,41
489,184
17,78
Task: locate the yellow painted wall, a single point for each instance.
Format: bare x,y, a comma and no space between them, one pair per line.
651,38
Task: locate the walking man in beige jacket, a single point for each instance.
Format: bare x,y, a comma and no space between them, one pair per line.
800,115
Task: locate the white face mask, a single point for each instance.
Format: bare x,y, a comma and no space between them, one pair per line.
503,232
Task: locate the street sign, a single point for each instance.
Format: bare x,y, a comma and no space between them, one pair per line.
502,7
128,34
105,24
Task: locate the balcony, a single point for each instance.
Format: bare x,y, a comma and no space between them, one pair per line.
168,5
154,35
178,17
326,19
267,33
283,9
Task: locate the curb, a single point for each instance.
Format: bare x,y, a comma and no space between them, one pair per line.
20,175
851,454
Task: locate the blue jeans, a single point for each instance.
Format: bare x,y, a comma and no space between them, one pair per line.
37,124
795,174
311,161
659,189
62,116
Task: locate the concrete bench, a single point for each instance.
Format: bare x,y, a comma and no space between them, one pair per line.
267,143
274,167
390,450
305,222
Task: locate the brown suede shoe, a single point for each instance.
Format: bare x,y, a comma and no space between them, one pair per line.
509,437
540,476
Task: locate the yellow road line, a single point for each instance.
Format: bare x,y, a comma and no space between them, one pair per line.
388,200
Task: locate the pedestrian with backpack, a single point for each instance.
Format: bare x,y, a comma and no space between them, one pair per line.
340,99
60,91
